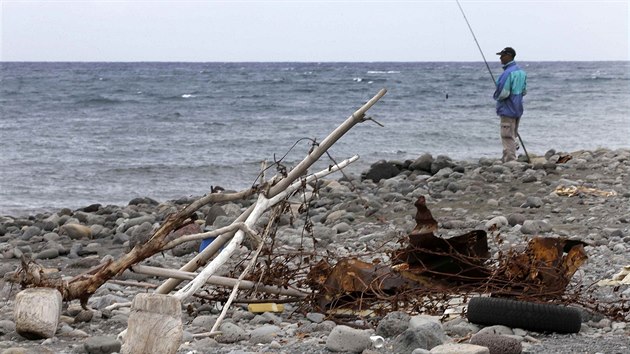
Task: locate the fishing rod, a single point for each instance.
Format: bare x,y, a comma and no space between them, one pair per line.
478,46
494,82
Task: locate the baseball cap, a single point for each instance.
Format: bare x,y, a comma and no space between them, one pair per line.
507,50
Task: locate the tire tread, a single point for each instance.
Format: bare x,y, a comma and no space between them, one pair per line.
526,315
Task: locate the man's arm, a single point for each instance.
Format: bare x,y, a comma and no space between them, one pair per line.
503,90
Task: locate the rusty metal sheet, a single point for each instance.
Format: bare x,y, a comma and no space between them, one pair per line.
546,265
351,278
461,256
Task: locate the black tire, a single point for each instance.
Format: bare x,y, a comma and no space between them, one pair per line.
526,315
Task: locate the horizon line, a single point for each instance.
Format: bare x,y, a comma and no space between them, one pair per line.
297,61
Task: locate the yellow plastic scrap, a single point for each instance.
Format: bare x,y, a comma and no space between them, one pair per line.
575,190
265,307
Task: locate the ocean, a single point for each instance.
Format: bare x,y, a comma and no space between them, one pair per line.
75,134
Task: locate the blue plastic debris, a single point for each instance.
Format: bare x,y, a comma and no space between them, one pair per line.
205,243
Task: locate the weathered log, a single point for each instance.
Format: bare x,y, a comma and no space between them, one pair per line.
218,280
37,312
154,325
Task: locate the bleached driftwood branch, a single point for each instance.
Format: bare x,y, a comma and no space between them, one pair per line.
203,257
214,233
227,304
218,280
260,207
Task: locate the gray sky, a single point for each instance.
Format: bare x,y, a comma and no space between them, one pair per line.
300,30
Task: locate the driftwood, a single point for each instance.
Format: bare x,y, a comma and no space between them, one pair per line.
299,170
83,287
169,341
154,326
37,312
218,280
260,207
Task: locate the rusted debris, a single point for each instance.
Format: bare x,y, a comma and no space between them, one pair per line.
545,267
564,158
350,279
430,264
460,257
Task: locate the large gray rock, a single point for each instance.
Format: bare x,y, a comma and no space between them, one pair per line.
424,332
497,344
533,202
459,327
393,324
187,247
497,221
316,317
231,333
422,163
456,348
496,330
50,253
440,162
264,334
381,170
138,221
205,321
411,339
516,219
139,234
145,200
30,231
6,326
212,214
346,339
534,227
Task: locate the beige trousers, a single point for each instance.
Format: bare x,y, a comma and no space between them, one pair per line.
509,133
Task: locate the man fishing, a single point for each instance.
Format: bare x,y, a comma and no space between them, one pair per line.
510,89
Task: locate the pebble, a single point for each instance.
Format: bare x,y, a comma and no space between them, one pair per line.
264,334
346,339
393,324
454,348
101,345
497,344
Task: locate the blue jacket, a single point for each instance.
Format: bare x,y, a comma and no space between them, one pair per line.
511,87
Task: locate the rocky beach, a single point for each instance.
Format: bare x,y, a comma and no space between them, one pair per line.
578,195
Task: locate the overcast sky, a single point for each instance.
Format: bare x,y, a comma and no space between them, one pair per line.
300,30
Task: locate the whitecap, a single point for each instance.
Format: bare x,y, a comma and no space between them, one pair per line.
383,72
186,95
